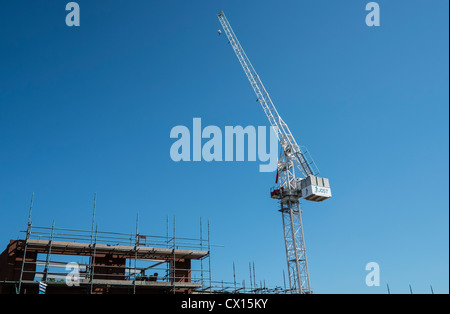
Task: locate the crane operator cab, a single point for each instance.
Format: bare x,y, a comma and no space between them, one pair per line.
315,188
311,188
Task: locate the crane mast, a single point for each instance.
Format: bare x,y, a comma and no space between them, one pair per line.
291,186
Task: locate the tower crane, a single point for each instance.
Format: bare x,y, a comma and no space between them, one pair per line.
296,174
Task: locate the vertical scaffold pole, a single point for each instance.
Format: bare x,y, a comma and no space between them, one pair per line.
209,258
26,244
201,249
173,263
93,261
47,260
234,277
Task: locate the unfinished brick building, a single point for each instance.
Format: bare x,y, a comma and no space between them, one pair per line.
148,264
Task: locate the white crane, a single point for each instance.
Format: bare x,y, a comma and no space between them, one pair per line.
290,186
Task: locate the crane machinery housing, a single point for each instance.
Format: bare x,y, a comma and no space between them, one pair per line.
291,186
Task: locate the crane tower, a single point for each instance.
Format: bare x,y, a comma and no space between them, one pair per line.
296,174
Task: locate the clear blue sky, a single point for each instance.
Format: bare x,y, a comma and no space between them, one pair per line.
90,109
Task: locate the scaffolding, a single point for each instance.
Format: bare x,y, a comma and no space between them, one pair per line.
133,261
116,263
136,262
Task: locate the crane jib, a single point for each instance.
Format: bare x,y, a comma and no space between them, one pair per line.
284,135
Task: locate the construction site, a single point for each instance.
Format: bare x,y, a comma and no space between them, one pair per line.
116,263
113,263
120,263
238,151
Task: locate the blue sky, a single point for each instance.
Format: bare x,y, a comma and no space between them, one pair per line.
90,109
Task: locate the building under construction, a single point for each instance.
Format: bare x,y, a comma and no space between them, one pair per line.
71,261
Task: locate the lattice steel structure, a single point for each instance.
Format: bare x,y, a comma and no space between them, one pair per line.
292,159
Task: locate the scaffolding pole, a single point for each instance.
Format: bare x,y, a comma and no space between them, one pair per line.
209,256
48,253
26,244
92,266
201,249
